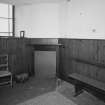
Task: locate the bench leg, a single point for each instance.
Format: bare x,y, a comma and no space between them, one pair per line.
78,90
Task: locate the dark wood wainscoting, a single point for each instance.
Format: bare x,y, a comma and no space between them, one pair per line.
83,56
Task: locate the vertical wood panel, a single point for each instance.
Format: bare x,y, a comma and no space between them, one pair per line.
20,56
101,52
101,74
91,51
88,50
101,60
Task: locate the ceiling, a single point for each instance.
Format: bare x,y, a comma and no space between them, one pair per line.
23,2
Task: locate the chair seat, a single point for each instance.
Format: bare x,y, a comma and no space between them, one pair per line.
4,73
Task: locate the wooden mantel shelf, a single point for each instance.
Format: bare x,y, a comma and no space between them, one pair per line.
45,47
34,44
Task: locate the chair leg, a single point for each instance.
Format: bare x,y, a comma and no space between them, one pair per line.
11,82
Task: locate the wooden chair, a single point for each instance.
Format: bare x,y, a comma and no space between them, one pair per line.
5,74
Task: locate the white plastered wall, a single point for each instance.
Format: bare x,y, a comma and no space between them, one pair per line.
85,19
40,20
66,19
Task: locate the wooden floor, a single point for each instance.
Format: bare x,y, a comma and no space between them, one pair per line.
34,89
51,98
83,99
22,92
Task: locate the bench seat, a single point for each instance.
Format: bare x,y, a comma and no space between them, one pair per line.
88,80
85,83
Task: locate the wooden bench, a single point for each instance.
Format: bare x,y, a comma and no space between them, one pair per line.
85,83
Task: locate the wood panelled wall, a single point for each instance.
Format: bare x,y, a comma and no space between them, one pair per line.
20,54
83,56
